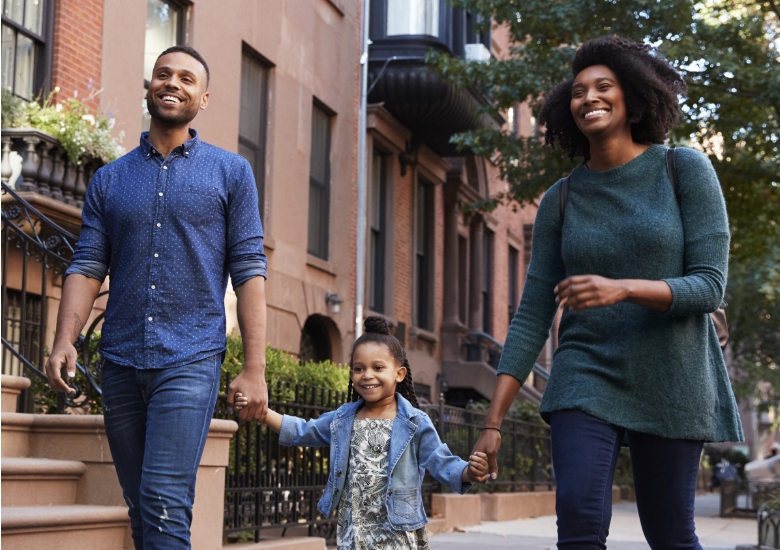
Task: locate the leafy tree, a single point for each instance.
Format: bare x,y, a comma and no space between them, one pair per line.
729,53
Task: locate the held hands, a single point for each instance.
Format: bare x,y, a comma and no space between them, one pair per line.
589,291
477,470
487,445
248,395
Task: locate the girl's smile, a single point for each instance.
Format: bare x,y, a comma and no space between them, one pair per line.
375,373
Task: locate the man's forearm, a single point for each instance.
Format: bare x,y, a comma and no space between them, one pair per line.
251,312
78,298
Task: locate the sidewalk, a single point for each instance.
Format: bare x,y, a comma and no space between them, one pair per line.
625,532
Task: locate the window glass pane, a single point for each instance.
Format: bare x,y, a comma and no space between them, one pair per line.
412,17
25,65
14,10
33,15
254,82
9,36
377,243
146,118
320,144
162,31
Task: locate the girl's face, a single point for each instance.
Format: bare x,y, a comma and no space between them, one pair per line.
375,372
598,104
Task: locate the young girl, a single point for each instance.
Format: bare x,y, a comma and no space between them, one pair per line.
380,447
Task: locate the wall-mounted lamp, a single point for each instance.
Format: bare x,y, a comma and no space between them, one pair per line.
444,385
334,301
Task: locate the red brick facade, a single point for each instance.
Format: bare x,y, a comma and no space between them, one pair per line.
78,42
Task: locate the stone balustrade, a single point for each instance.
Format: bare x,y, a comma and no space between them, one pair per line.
45,167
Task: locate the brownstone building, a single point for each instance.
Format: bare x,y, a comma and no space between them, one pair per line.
285,94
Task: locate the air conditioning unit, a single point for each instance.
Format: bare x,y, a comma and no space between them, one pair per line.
477,52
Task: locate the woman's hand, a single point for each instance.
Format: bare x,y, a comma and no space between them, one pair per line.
487,445
589,291
477,471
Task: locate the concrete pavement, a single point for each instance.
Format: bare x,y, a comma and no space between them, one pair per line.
625,532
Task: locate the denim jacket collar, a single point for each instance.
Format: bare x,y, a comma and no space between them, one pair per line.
405,409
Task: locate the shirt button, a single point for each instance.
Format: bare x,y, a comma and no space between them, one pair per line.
160,194
156,254
159,224
150,318
165,167
153,287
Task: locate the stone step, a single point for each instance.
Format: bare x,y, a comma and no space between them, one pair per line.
76,527
284,543
40,481
16,433
11,387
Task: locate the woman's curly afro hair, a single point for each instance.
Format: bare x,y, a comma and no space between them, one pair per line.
651,86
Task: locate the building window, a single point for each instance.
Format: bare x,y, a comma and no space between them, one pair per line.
253,119
412,17
514,294
378,237
22,328
319,183
164,28
423,246
26,32
463,279
487,283
528,232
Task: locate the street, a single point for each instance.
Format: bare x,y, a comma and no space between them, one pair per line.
714,533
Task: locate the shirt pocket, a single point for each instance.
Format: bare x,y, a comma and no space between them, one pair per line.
196,205
404,502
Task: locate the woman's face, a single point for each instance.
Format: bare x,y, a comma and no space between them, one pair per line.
598,104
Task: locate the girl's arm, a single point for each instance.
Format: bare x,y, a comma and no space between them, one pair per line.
273,420
435,456
296,431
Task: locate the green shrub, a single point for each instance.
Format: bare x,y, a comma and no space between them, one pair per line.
285,368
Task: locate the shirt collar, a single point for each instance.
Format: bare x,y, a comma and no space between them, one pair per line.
148,149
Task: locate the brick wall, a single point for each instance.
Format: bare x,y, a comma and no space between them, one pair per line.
78,37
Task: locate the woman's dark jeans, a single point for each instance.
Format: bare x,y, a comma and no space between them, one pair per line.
585,451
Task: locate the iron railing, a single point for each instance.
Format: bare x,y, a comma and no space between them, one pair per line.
35,254
270,487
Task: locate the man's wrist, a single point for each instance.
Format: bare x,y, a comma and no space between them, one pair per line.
254,368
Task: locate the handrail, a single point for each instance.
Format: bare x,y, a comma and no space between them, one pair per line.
541,372
48,243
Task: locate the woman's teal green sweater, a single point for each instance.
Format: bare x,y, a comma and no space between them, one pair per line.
647,371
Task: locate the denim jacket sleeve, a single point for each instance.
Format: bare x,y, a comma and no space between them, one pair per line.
312,433
436,457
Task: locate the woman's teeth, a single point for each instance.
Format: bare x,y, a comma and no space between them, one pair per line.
595,113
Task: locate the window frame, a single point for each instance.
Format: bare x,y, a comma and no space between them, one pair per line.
513,294
424,257
322,251
488,284
377,268
262,148
44,49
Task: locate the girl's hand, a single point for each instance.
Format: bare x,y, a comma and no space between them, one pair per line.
241,401
478,468
589,291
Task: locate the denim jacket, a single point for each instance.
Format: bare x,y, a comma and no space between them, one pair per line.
414,447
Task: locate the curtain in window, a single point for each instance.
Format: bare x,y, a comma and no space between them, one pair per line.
412,17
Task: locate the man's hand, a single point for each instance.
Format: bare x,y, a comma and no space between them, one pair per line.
252,392
590,291
477,470
64,354
487,445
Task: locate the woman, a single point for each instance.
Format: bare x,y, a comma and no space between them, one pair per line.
636,270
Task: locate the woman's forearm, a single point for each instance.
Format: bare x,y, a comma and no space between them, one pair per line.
650,294
507,387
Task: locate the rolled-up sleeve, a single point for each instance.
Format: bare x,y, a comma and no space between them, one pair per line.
246,255
93,251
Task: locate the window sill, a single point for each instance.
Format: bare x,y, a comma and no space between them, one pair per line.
423,334
322,265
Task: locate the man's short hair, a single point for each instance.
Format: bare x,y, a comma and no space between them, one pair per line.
191,52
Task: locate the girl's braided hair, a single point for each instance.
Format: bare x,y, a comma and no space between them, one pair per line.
651,86
377,330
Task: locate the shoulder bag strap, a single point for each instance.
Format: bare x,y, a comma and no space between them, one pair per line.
563,195
671,169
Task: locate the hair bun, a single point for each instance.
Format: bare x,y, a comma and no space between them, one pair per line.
377,325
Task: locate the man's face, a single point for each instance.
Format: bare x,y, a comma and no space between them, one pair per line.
177,90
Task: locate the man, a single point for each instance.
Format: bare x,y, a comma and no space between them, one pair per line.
170,221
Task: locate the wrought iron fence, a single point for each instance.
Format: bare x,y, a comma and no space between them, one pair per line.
35,253
270,487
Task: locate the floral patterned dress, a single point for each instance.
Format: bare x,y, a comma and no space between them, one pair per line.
362,516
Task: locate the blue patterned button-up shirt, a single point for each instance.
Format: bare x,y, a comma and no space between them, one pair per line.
169,231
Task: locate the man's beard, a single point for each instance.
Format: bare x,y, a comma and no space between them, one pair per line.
178,118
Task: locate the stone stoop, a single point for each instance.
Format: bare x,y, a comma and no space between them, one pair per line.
40,481
79,527
287,543
11,387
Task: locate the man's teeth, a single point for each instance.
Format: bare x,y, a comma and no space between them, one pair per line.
594,113
171,99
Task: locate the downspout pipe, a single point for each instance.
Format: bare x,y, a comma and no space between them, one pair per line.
360,263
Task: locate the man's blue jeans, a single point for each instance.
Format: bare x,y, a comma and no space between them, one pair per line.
157,422
585,451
